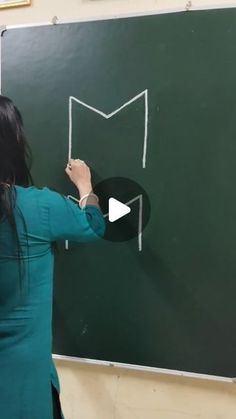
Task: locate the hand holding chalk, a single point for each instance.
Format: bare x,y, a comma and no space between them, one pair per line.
79,173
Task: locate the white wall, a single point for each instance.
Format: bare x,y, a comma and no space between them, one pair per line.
44,10
101,393
90,392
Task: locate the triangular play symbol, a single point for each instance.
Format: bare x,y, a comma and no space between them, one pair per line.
117,210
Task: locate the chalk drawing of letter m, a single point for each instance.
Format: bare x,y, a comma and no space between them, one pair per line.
141,126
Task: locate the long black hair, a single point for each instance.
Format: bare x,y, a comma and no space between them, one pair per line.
15,165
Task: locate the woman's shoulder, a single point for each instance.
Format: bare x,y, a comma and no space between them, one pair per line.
43,194
35,189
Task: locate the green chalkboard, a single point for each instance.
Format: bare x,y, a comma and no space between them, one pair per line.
173,304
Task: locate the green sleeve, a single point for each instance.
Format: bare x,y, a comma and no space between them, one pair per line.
67,221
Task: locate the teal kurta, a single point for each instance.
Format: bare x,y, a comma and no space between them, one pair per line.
26,366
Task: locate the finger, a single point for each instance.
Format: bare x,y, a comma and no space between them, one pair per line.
68,171
72,163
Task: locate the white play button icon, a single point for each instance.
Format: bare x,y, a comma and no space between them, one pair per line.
117,210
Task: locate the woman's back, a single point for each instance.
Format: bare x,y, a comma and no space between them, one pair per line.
26,367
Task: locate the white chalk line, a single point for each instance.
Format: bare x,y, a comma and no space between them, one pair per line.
140,220
110,115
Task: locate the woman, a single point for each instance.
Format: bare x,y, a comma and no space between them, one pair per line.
31,220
